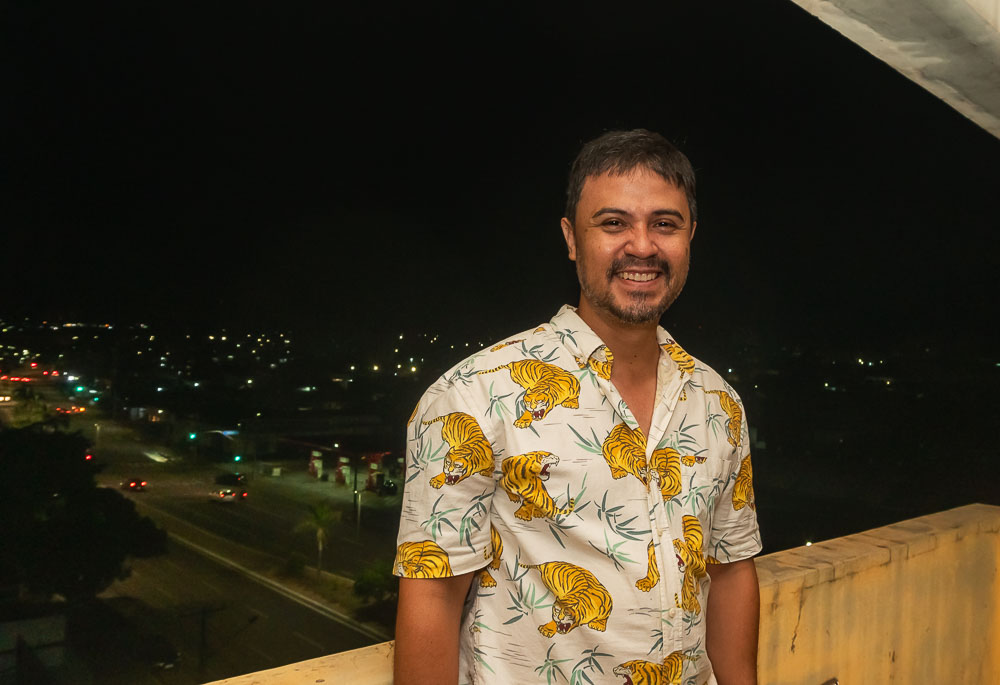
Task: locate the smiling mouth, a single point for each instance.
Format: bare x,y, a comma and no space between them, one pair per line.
638,276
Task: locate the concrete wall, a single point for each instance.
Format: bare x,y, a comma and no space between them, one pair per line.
988,10
914,602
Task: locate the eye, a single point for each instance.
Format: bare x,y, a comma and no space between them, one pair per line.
613,224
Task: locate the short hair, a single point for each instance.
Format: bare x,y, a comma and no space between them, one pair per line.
619,152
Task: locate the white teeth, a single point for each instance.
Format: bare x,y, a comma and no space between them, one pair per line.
632,276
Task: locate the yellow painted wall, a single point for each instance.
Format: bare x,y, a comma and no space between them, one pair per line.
912,603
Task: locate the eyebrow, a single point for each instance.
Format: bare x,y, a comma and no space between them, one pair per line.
656,212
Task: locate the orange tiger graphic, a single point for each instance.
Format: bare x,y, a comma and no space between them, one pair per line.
684,361
652,573
733,411
665,468
599,367
691,563
691,460
625,451
422,560
494,551
640,672
500,346
470,450
413,415
743,488
546,386
523,477
580,599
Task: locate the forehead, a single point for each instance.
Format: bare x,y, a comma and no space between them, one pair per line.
640,191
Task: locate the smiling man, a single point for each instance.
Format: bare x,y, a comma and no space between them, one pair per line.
573,492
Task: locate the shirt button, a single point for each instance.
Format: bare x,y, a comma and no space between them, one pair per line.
672,613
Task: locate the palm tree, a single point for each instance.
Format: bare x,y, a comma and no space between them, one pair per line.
321,517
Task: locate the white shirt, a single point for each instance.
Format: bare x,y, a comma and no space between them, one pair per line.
525,458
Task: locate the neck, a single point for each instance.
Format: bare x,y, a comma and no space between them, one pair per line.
634,346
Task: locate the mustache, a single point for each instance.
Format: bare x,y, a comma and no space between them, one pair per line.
627,262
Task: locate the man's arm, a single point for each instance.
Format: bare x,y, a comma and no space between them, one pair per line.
427,623
733,621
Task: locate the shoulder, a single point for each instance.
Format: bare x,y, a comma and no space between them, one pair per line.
711,381
470,378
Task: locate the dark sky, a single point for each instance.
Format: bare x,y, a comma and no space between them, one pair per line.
291,164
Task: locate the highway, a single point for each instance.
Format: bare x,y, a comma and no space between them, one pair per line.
222,623
226,618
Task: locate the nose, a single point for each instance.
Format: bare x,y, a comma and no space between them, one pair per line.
640,242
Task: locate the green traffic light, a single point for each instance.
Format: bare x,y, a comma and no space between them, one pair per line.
237,458
192,436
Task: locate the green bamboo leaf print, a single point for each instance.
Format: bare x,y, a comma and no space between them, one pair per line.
464,373
496,404
558,525
516,572
533,352
612,553
658,636
588,662
565,333
592,446
621,528
587,372
438,519
468,523
526,601
682,439
551,667
721,549
480,656
423,457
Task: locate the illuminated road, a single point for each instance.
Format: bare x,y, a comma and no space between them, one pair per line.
222,623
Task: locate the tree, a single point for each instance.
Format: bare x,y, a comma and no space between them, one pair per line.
61,533
321,517
30,407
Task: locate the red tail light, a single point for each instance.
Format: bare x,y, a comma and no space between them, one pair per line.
143,483
244,494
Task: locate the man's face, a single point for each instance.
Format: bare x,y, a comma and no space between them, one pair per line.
631,241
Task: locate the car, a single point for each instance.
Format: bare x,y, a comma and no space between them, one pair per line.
232,479
228,495
134,484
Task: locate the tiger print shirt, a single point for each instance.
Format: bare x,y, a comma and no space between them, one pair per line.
590,539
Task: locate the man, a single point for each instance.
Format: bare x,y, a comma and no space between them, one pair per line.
574,490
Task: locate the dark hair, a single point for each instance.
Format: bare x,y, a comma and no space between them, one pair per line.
619,152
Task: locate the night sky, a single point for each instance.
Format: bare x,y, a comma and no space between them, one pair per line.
263,164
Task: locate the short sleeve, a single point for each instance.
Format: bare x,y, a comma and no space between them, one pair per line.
444,527
735,534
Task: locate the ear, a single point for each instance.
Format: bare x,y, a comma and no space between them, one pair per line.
569,236
694,227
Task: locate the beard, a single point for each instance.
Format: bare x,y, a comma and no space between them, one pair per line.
640,308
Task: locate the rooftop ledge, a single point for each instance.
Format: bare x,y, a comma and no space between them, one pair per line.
912,602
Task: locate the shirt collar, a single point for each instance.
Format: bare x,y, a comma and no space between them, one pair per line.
575,334
581,340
